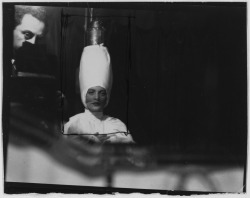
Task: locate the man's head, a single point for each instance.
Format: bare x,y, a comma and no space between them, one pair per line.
30,24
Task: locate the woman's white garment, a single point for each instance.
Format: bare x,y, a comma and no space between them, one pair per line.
96,70
90,124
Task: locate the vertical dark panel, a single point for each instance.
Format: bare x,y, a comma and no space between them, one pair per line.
8,25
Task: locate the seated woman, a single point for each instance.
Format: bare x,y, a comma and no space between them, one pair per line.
95,78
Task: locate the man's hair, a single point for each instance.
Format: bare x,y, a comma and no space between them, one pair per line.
36,11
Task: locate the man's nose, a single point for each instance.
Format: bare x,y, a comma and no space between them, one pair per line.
32,40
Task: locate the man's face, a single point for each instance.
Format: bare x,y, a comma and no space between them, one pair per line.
29,29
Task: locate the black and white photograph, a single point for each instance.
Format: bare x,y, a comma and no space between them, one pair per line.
124,97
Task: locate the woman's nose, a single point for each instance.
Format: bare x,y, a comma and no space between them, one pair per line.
96,96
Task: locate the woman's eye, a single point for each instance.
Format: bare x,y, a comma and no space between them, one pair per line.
103,94
91,92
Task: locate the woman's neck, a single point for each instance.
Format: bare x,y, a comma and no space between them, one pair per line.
98,114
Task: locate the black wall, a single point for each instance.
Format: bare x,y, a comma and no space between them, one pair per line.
180,69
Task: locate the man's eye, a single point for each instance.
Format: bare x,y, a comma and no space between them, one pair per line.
28,35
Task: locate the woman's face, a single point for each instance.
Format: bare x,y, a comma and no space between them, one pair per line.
96,99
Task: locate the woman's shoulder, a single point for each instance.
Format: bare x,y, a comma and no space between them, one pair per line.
80,117
76,124
77,116
112,119
115,121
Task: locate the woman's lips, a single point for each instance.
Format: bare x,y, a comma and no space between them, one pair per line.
96,103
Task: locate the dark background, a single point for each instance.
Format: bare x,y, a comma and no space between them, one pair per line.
180,69
180,72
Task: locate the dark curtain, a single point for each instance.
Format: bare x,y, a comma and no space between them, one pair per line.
189,77
179,73
72,44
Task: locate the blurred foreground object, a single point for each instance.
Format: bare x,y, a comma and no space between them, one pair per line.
38,153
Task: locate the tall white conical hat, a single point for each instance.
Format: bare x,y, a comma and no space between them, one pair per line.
95,70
